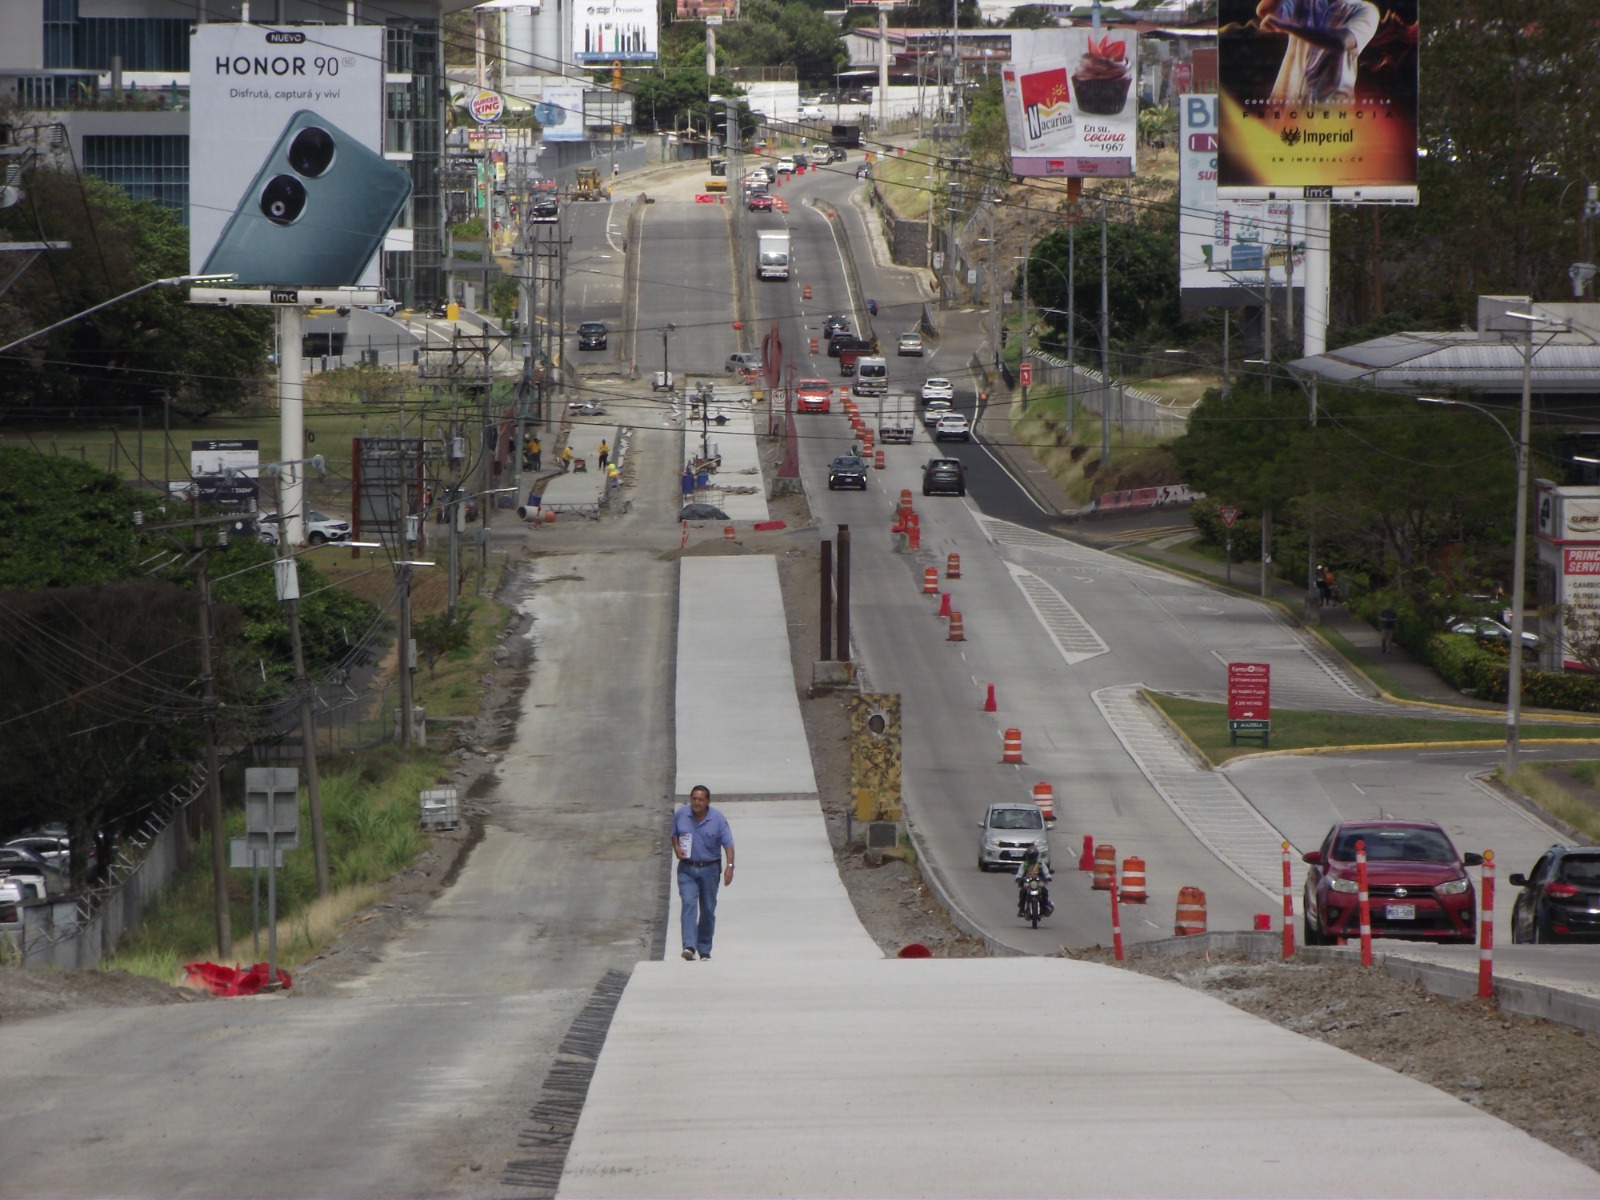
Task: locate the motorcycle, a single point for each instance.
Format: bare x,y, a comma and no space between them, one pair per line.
1032,899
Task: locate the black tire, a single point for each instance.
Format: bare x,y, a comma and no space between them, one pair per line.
1314,937
316,538
1035,919
983,866
926,492
961,491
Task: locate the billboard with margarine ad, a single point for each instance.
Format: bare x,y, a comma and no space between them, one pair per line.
1318,99
1070,108
288,185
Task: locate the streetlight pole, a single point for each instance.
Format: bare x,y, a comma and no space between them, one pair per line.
666,369
172,281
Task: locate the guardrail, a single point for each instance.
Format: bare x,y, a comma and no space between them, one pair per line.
1127,407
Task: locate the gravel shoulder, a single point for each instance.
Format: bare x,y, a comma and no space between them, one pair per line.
1542,1078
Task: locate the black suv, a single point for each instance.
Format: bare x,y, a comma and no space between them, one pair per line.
846,341
545,210
944,475
1559,899
847,471
592,335
835,324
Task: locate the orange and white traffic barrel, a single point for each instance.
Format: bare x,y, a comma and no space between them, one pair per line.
958,632
930,582
952,566
1191,917
1133,888
1105,867
1012,752
1045,797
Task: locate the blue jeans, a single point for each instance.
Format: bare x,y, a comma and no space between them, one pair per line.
697,888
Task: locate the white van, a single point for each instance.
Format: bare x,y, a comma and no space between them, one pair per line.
872,377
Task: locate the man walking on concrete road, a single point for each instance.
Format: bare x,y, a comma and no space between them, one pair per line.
699,836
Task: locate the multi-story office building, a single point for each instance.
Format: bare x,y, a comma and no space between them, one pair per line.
109,80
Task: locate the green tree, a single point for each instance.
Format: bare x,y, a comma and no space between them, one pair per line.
66,523
99,704
1509,105
139,350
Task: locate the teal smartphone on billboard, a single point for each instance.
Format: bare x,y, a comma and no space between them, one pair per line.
315,213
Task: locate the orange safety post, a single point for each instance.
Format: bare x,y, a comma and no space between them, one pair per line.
878,462
1363,903
1105,867
1288,905
1013,747
1116,923
958,632
952,566
988,701
944,605
930,582
1045,797
1191,917
914,535
1486,930
1086,858
1133,881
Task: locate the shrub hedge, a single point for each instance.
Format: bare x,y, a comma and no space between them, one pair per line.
1472,666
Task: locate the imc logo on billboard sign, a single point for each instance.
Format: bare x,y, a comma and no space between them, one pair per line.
487,107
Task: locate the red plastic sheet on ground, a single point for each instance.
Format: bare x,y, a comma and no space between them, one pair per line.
233,981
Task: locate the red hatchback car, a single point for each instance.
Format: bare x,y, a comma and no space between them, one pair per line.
759,202
1417,884
813,395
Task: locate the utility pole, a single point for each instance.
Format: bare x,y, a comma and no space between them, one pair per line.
288,579
1026,326
407,661
1105,337
208,700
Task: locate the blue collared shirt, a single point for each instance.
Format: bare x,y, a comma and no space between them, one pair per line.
710,834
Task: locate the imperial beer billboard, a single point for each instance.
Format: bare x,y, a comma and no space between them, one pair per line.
1318,99
288,185
1069,103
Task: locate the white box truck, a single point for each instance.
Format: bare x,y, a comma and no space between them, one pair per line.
897,418
772,254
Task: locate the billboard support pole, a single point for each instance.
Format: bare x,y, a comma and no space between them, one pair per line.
883,69
711,51
1315,283
292,419
1105,339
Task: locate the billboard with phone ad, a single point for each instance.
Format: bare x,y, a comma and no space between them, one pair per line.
288,183
1318,99
614,31
1227,249
1070,107
560,113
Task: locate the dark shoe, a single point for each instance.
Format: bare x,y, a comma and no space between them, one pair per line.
705,958
688,954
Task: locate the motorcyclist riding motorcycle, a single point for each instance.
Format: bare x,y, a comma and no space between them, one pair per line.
1032,864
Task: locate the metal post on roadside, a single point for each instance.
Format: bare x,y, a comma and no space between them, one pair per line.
1363,904
1288,905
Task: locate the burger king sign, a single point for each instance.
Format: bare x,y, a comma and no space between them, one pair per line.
487,107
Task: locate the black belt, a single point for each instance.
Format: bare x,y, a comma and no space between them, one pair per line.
702,862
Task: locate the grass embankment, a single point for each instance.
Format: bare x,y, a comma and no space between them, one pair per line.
905,181
369,805
1568,791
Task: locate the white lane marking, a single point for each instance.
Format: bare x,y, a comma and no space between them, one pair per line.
611,211
1358,787
844,271
1072,635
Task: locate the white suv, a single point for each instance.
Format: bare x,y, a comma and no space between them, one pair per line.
320,528
785,166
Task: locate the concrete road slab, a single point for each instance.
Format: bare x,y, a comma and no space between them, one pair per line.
1022,1077
738,714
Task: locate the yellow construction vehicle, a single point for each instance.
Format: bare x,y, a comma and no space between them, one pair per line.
588,185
